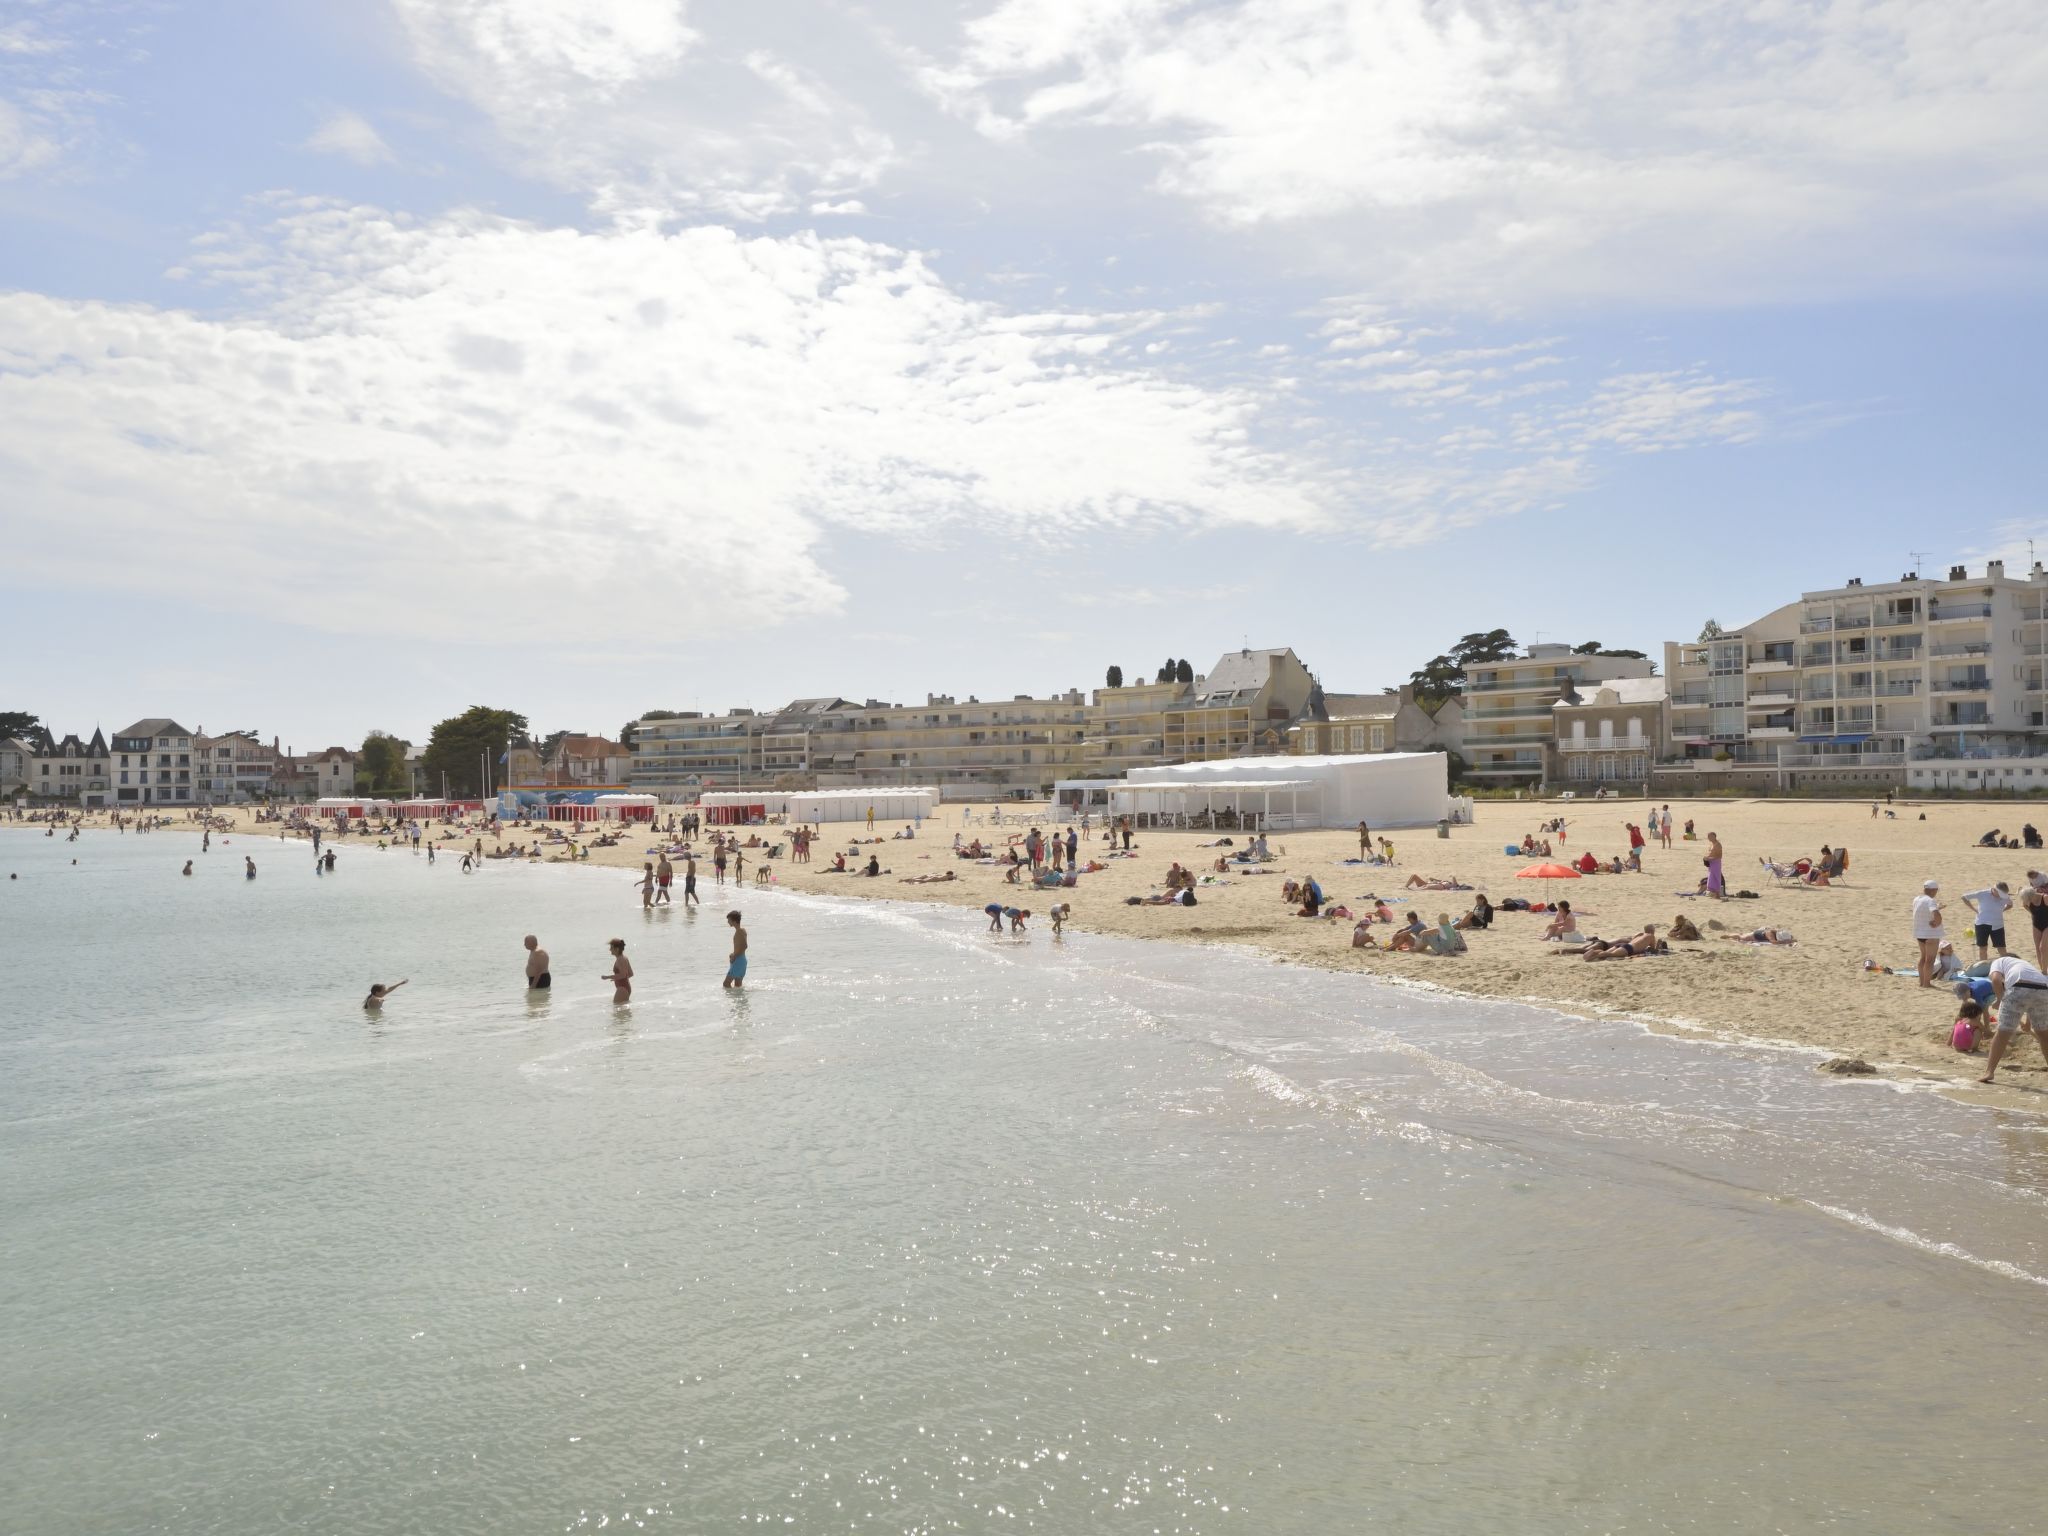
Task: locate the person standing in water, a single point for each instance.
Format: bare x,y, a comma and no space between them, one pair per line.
538,978
664,874
330,861
689,879
647,886
248,867
188,866
736,967
621,973
374,1003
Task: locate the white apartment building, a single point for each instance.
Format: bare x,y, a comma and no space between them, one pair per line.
71,770
232,769
1509,723
17,764
1000,748
1851,684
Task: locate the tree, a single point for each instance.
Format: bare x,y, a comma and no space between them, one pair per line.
629,733
1711,630
1114,678
1165,673
1590,648
19,723
1442,676
1183,673
466,746
380,765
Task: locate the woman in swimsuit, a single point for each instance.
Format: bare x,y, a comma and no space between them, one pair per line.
621,973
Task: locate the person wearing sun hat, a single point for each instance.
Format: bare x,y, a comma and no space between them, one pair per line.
1927,927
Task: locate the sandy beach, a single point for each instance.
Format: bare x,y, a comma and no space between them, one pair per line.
1814,994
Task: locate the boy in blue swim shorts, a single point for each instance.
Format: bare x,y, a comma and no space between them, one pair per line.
736,968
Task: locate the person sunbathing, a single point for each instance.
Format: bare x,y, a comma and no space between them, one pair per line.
951,874
1419,883
1778,936
1162,899
1644,943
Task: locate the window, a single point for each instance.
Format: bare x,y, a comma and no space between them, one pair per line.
1379,738
1358,738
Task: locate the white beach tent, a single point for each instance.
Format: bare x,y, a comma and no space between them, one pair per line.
894,804
1385,789
627,807
355,807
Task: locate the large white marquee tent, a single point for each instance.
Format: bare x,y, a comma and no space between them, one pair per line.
1385,789
893,804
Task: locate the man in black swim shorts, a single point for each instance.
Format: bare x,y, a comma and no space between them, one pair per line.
537,977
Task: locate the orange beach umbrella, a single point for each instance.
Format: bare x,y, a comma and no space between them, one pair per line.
1547,873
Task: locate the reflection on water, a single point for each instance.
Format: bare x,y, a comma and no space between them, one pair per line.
927,1231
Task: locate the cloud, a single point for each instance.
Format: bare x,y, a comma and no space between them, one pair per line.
624,104
1477,152
470,426
25,145
350,135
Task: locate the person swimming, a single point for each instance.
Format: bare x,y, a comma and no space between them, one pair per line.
374,1003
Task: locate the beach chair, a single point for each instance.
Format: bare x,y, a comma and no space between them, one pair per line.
1786,874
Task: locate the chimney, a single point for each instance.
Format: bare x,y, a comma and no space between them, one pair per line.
1956,573
1994,570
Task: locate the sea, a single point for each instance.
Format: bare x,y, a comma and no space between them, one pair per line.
934,1230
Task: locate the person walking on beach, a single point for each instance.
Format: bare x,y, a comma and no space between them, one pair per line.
1927,928
538,978
739,864
374,1003
689,879
664,873
647,886
736,966
871,818
1716,886
1127,834
1364,842
621,973
1667,826
2022,993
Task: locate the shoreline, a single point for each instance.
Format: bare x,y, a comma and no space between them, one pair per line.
1811,999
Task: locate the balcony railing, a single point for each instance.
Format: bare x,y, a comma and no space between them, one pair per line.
1963,685
1967,648
1951,612
1900,689
1853,691
1896,620
1789,759
1815,626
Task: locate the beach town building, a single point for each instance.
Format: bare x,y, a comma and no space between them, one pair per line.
233,769
326,774
17,765
584,761
154,763
1003,748
1509,708
71,771
1852,685
1607,735
1391,721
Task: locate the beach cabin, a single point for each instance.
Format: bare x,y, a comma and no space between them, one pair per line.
1384,789
893,805
1076,797
739,808
350,807
422,810
627,807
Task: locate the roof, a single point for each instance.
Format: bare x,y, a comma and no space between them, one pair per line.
1239,672
155,727
1361,706
590,746
819,706
1627,690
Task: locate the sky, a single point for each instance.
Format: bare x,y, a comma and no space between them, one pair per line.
581,357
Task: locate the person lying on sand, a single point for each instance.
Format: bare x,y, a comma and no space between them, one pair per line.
950,874
1644,943
1778,936
1419,883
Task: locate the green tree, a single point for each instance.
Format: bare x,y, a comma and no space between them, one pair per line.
21,724
466,746
1182,672
1114,678
380,765
1443,675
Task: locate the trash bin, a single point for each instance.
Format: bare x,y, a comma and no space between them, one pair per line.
1443,827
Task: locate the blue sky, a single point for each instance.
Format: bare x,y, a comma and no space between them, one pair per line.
361,363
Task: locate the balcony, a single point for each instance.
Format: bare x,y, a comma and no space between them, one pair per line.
1853,691
1507,739
1771,698
1897,620
1963,719
1904,689
1959,613
1965,648
1772,733
1772,664
1534,709
1963,685
1815,626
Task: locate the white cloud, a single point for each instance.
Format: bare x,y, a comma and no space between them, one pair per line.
24,144
1487,152
351,136
474,427
622,103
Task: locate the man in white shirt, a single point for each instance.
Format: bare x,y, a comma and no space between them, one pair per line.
1991,905
1927,928
2021,993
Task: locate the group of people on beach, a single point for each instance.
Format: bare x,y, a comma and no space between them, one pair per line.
2005,989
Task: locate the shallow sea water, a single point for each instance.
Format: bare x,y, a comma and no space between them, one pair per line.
937,1231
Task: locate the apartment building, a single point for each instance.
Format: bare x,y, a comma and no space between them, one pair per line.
1001,748
1510,722
17,765
154,763
1607,735
1851,684
71,770
232,769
